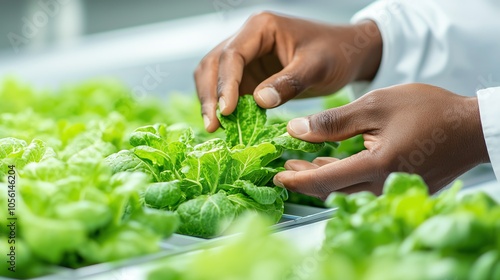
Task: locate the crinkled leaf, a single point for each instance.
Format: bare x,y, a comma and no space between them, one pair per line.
290,143
163,194
36,151
207,161
262,176
93,153
244,203
191,188
245,123
247,160
48,170
161,222
206,215
150,135
262,195
155,156
126,160
179,132
10,145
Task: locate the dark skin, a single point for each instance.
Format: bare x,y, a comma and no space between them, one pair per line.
278,58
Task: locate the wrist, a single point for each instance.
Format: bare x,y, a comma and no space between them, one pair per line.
368,40
475,131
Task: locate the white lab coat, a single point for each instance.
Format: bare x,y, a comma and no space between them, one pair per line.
448,43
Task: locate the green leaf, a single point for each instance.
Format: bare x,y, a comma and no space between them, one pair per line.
163,194
52,238
337,200
244,125
270,131
92,215
262,176
37,151
155,156
151,135
180,133
459,231
207,162
127,161
262,195
290,143
126,241
93,153
206,215
48,170
484,266
161,222
191,188
10,145
125,189
400,183
244,204
141,138
245,161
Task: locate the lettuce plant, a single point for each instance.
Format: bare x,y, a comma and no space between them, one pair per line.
208,184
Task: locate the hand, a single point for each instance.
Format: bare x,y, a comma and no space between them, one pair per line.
277,58
413,128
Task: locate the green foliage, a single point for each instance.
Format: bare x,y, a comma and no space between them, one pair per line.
402,234
99,181
72,209
163,194
208,184
255,254
407,232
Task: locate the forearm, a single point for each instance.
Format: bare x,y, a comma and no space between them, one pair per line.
368,41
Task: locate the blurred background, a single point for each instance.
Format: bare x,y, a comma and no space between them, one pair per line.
51,42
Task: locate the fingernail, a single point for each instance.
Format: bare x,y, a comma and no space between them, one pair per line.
278,183
222,104
270,96
206,121
299,126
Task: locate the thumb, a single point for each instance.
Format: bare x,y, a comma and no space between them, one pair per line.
331,125
284,85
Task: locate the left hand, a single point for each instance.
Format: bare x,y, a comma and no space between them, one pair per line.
413,128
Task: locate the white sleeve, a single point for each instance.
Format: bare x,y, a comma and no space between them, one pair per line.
489,104
447,43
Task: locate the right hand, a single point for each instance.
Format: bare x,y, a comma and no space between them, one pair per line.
277,58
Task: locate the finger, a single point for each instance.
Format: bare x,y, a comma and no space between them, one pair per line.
229,79
205,77
299,165
257,71
320,161
294,79
340,174
331,125
206,86
254,40
367,186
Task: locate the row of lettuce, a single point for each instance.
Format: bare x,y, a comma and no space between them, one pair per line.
100,177
96,181
403,234
71,209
